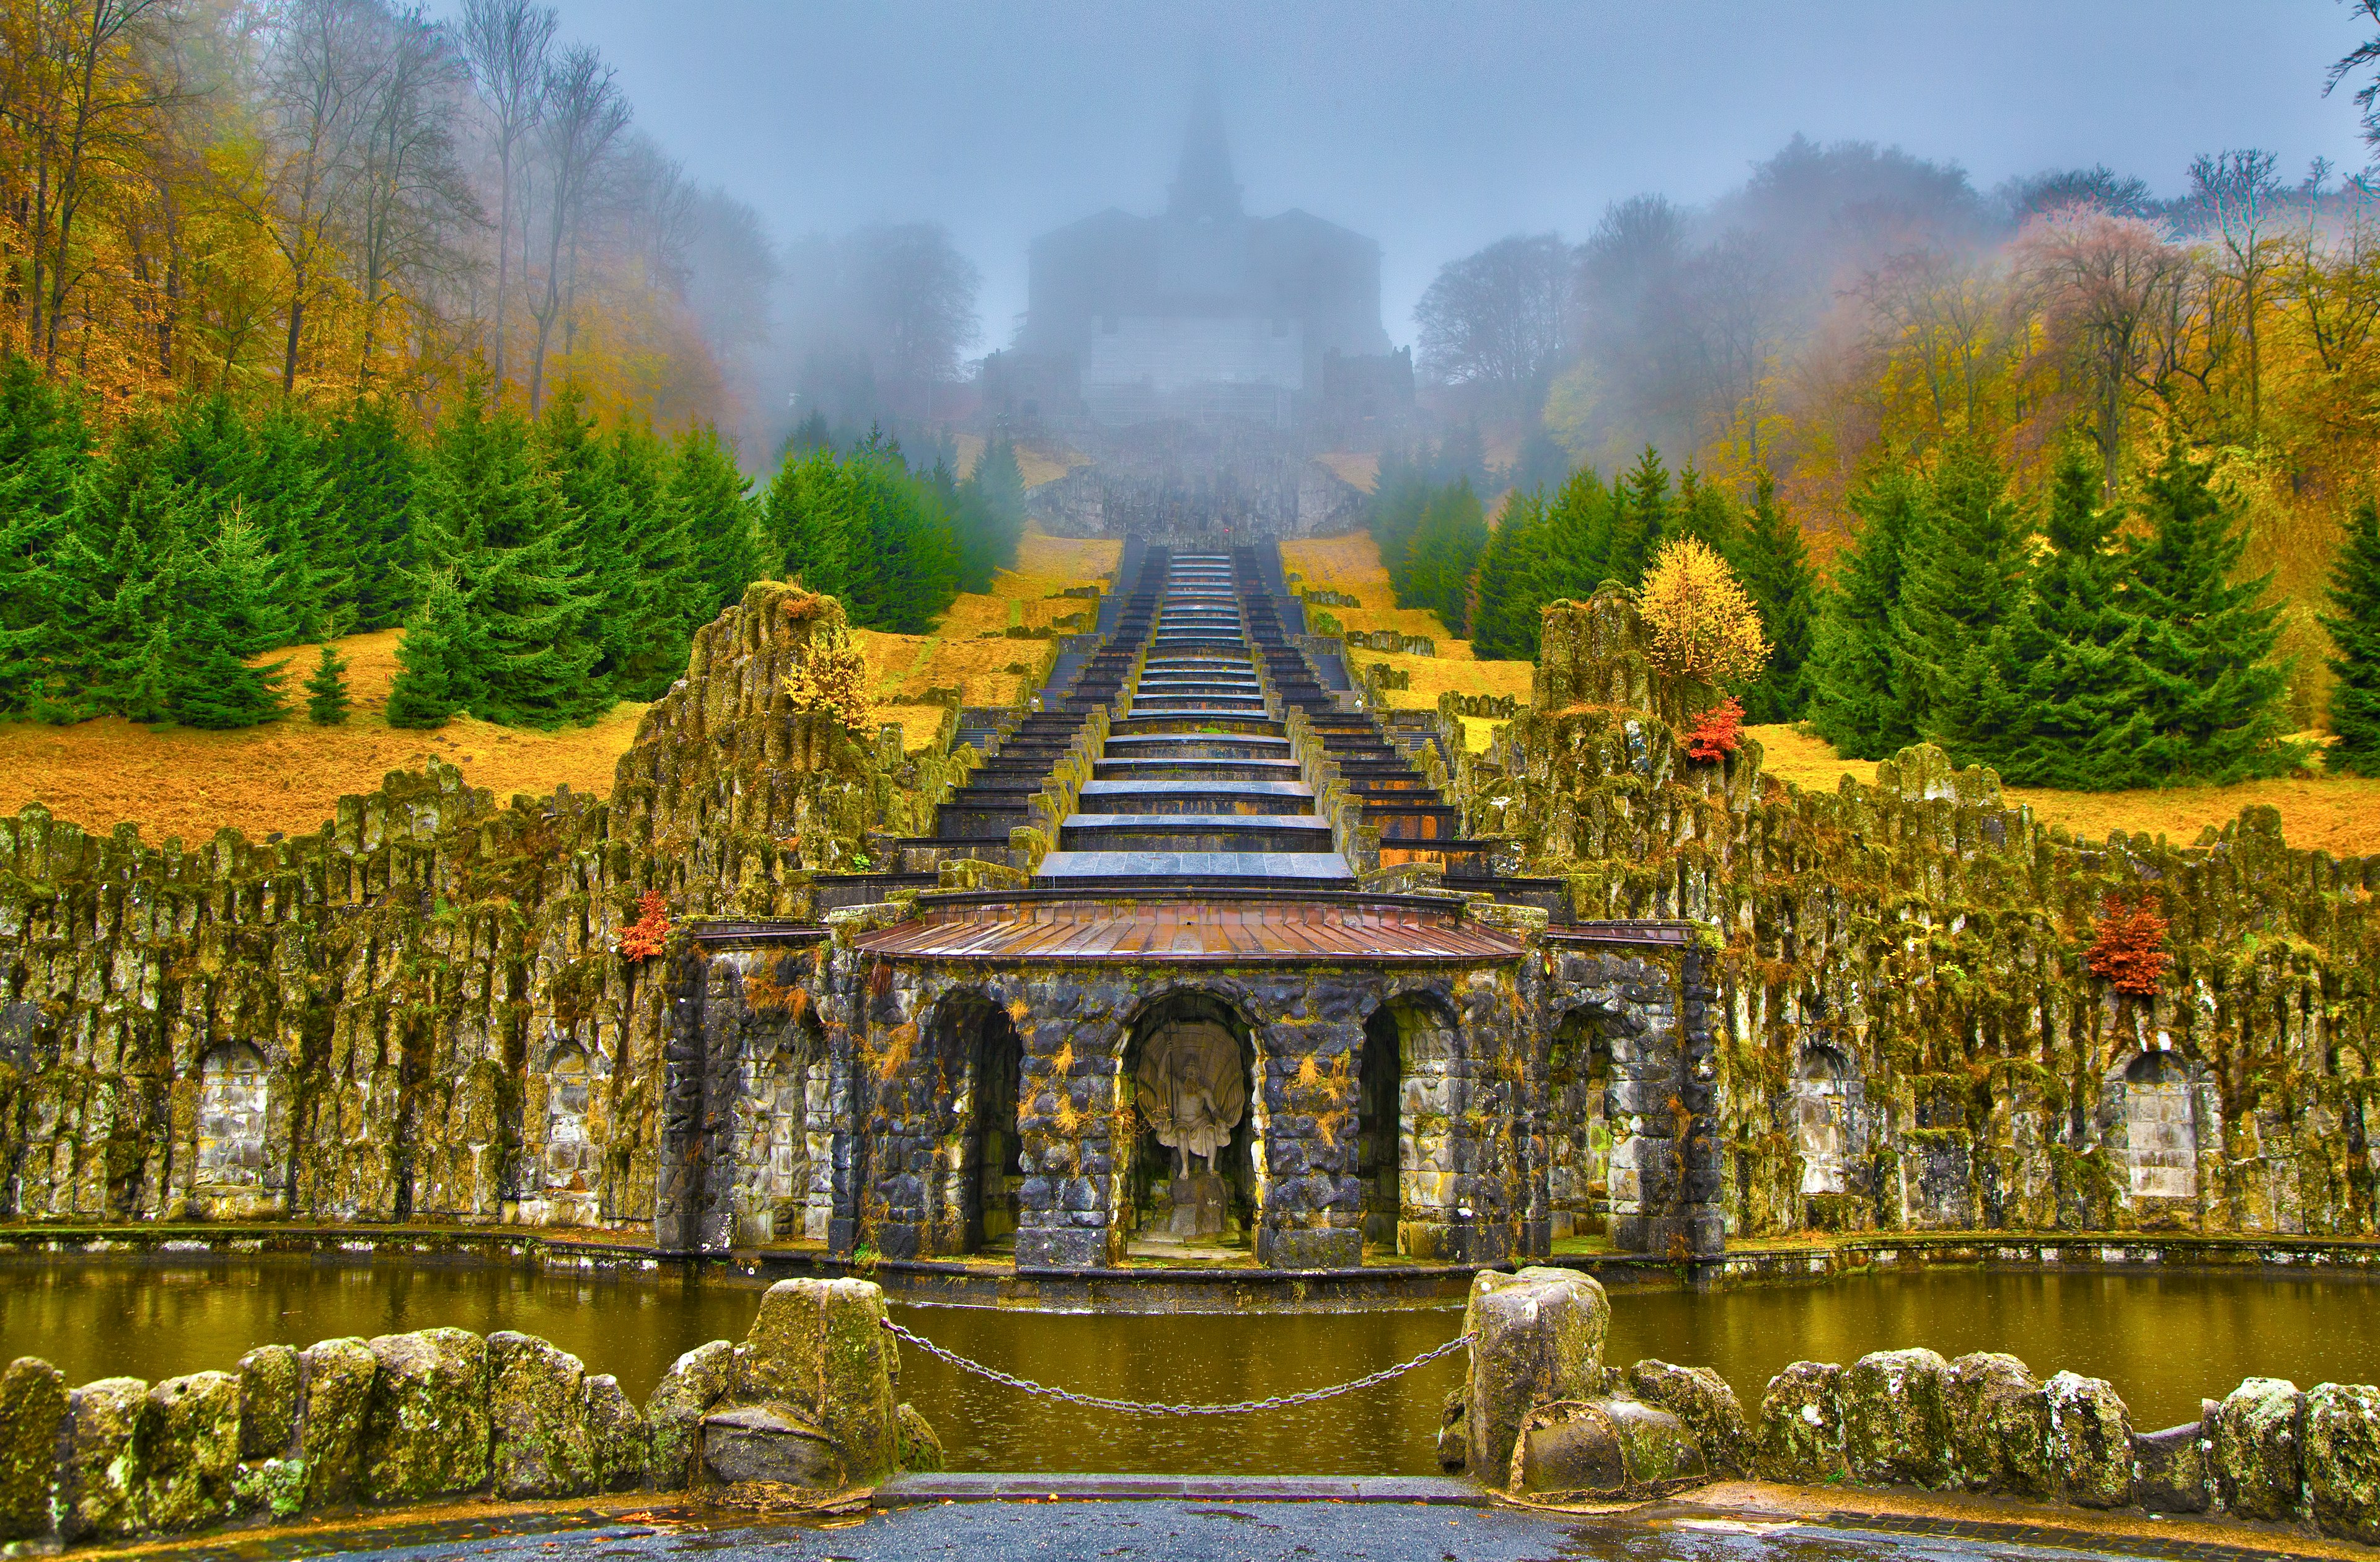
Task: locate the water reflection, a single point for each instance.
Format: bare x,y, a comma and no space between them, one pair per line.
2163,1339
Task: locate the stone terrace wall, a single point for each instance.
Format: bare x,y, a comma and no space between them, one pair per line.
1912,1036
425,994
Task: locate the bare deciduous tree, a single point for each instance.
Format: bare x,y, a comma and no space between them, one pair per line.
585,113
2104,285
509,45
1500,319
412,193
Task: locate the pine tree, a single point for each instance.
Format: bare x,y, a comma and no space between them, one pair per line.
372,463
1856,704
650,611
2355,636
707,491
811,514
1774,563
293,499
1510,593
1962,577
1582,521
435,659
43,446
112,585
530,656
2061,671
1704,513
989,511
224,614
1444,552
1642,519
905,571
326,689
2210,700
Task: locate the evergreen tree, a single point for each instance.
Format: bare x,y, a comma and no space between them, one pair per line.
1582,520
1541,462
2355,636
1702,512
43,446
810,516
112,584
436,658
709,493
1444,552
904,570
653,606
988,511
1774,564
1963,575
326,689
1855,697
2060,673
1510,595
294,500
2209,706
225,613
371,465
531,652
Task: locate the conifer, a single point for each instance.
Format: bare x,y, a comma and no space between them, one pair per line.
1444,552
372,463
1582,522
326,689
435,658
43,446
1510,595
2209,704
989,510
707,491
293,500
2355,638
224,614
1962,577
1856,704
809,515
653,606
1775,565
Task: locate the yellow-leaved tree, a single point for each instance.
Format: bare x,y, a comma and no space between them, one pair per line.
1705,627
832,677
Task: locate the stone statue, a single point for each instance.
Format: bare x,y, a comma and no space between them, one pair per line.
1193,1091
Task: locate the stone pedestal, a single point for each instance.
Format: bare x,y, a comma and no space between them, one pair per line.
1198,1205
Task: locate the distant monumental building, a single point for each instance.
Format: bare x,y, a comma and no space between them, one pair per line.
1204,314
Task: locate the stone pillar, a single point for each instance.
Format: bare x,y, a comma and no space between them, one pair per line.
677,1195
1665,1174
1313,1211
1536,1337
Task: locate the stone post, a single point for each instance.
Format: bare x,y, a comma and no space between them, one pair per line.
1536,1337
809,1399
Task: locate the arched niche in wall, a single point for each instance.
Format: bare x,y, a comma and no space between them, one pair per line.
1826,1093
1403,1157
1578,1124
2160,1127
569,1163
234,1100
977,1063
1190,1080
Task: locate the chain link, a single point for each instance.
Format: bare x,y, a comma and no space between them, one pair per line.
1151,1407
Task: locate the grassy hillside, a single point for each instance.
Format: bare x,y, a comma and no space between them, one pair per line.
287,776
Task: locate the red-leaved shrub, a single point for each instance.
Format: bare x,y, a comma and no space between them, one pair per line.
643,938
1717,732
2128,948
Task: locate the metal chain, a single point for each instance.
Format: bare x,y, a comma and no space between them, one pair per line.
1151,1407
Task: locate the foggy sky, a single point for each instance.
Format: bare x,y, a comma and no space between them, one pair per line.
1433,128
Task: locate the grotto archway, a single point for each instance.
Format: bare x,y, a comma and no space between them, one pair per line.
1578,1122
2160,1114
1405,1157
973,1074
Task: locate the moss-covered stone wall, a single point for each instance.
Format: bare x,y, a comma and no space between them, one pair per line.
1909,1035
431,985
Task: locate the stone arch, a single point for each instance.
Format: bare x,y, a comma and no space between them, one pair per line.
568,1171
1171,1194
1826,1095
973,1068
1579,1121
1405,1154
235,1100
2160,1116
785,1193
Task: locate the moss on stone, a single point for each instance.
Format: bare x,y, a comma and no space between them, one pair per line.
919,1449
2342,1459
32,1411
101,1476
537,1413
334,1399
190,1451
427,1431
268,1401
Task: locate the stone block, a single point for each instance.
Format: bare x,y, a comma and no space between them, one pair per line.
190,1451
695,1383
1660,1452
1536,1337
1570,1448
1453,1440
334,1386
1895,1428
2258,1459
100,1474
1046,1248
1310,1247
616,1446
920,1450
1999,1425
427,1431
2169,1469
537,1414
820,1349
763,1443
268,1402
2342,1459
2090,1441
32,1414
1802,1425
274,1486
1703,1401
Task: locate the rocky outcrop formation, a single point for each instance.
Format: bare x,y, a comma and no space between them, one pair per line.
806,1399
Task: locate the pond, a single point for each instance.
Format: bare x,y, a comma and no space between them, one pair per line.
2165,1340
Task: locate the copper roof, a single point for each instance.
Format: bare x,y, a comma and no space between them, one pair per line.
1214,928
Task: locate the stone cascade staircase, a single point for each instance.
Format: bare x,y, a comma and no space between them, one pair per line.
1197,786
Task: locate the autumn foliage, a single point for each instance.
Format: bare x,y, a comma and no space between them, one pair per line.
832,678
1718,732
645,938
1705,625
2128,945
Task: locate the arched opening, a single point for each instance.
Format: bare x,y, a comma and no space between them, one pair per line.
1406,1157
789,1124
990,1168
1578,1126
1189,1077
233,1096
569,1151
1824,1091
2161,1127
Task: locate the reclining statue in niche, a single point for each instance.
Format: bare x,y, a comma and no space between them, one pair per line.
1193,1091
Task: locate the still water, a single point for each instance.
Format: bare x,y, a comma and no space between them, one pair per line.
2163,1339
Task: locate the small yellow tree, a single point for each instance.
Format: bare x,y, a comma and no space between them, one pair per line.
832,677
1706,628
